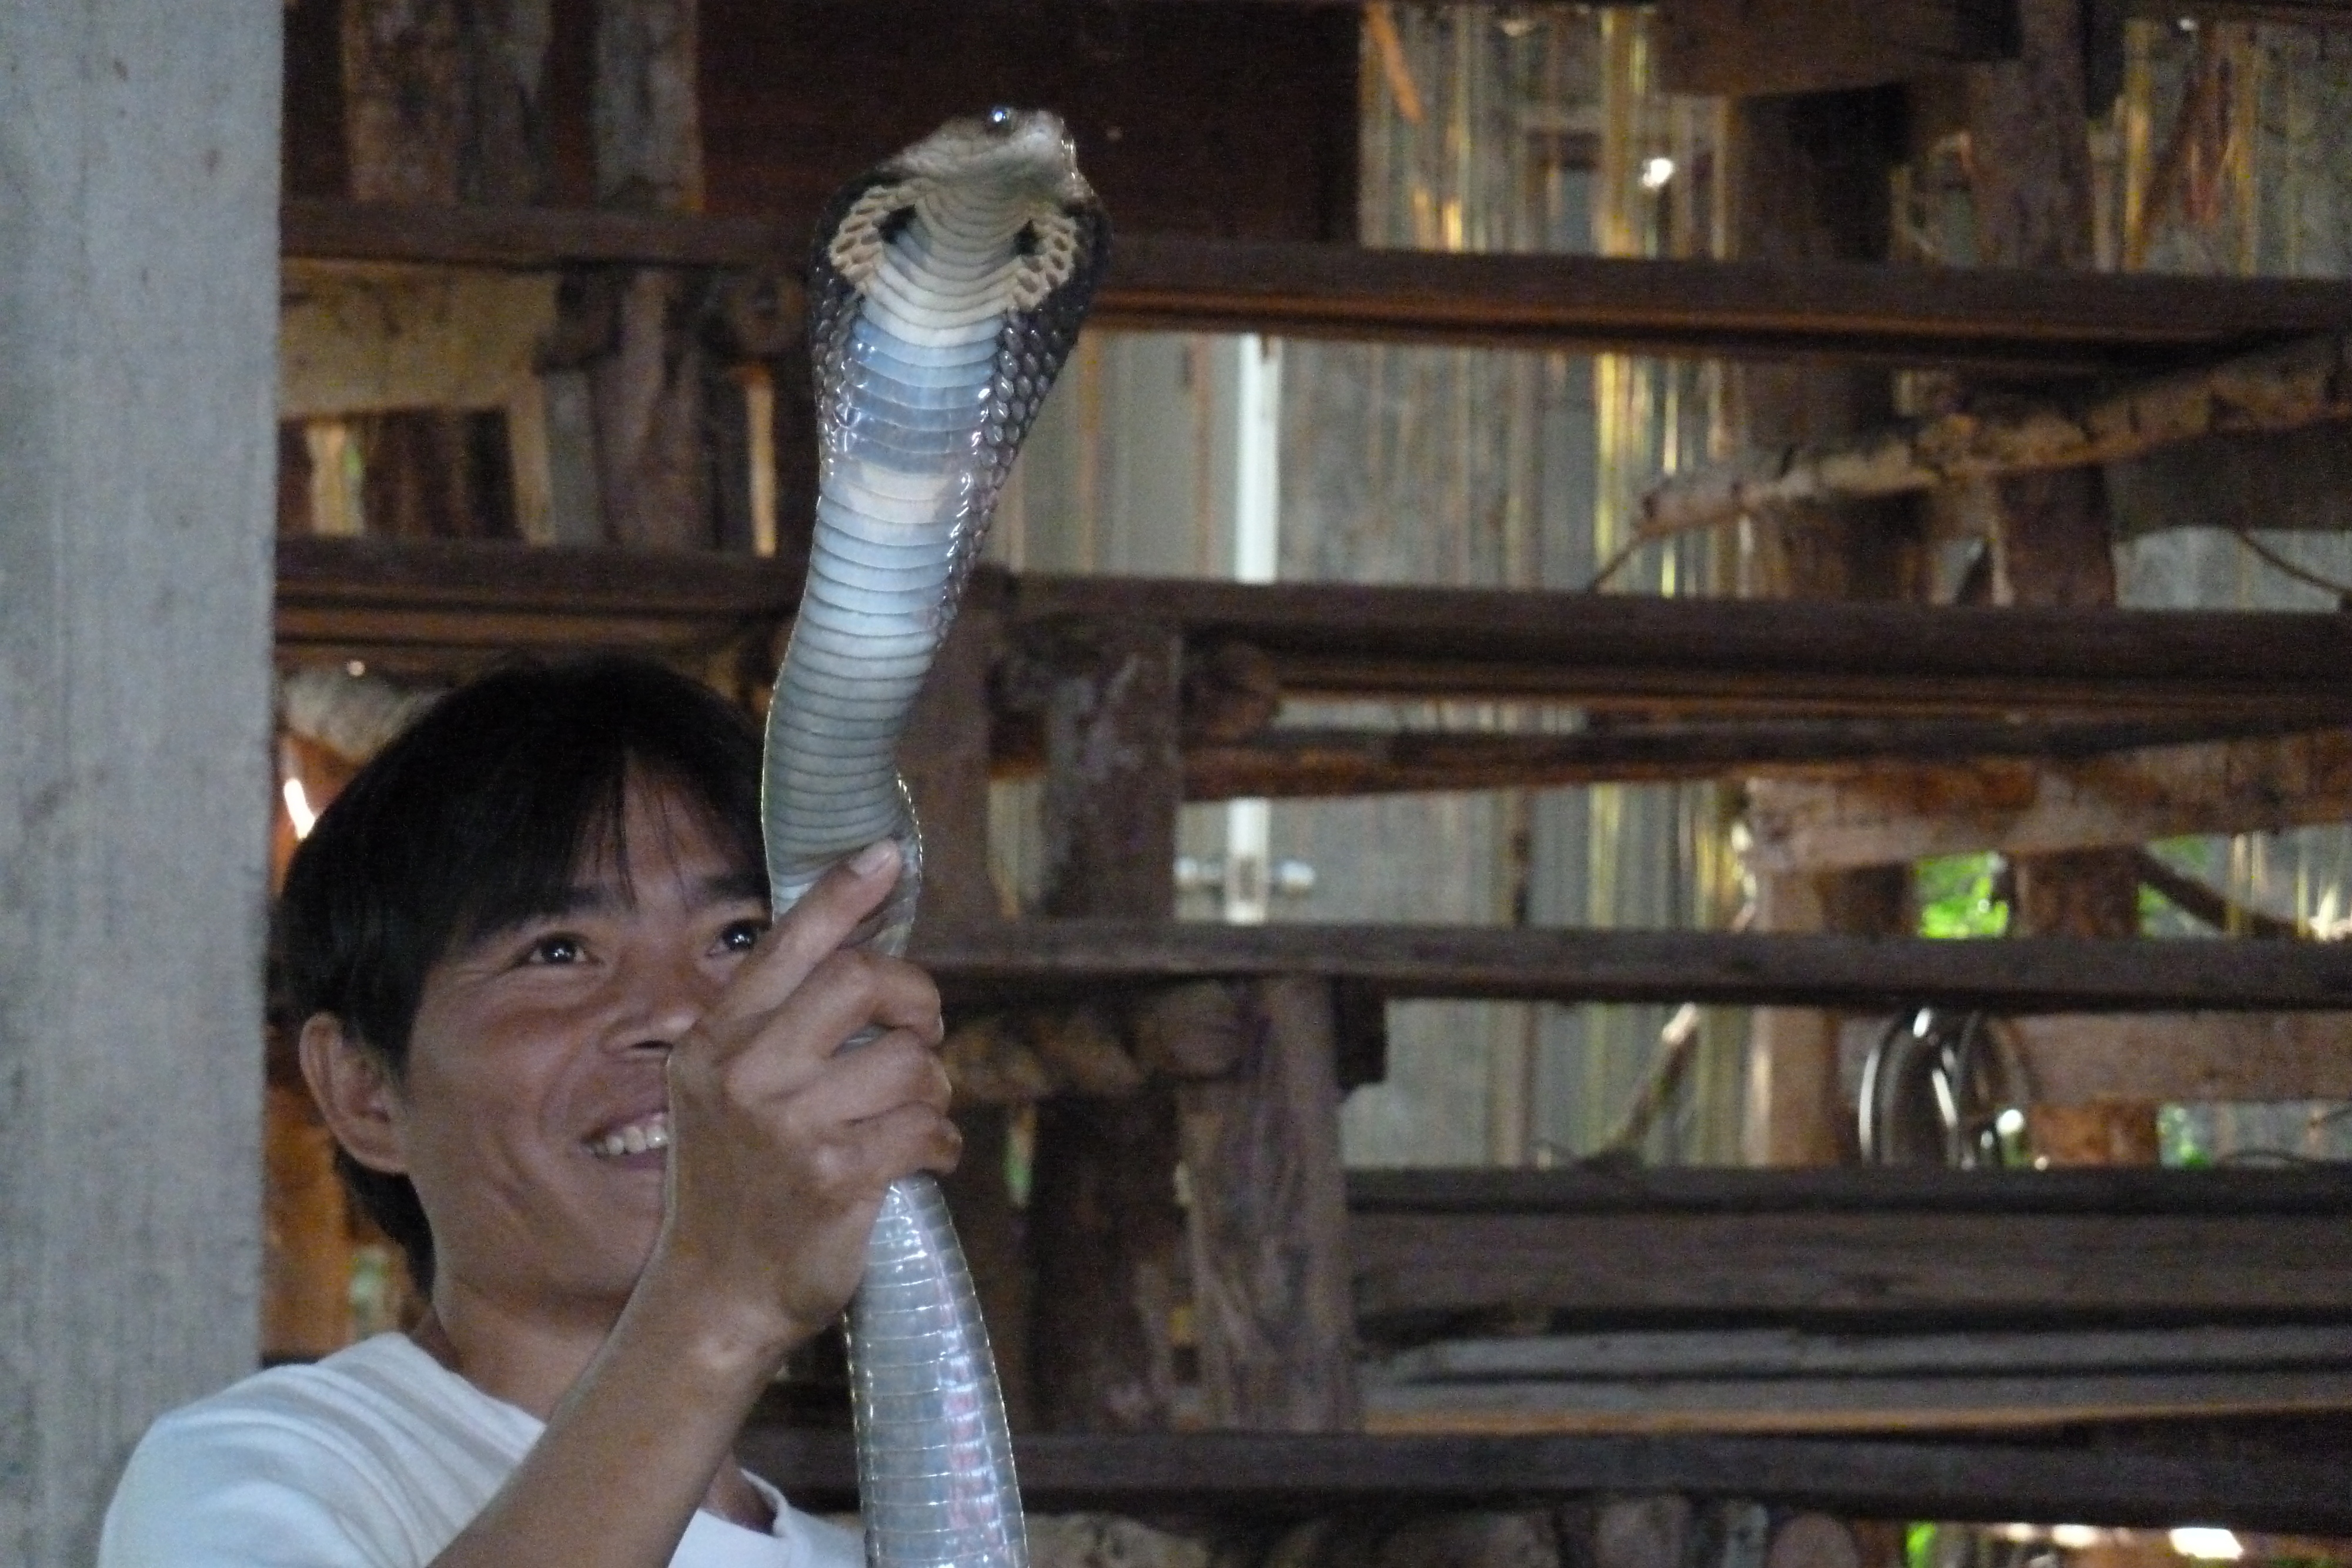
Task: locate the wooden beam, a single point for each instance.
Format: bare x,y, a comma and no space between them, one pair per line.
1030,960
1854,1266
1730,655
2016,321
1288,763
449,605
1236,1475
2185,1057
1892,814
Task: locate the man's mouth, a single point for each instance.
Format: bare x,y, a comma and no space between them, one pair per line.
646,1135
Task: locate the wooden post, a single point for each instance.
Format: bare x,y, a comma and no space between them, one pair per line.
137,382
649,390
2031,168
1268,1221
1106,1231
1809,182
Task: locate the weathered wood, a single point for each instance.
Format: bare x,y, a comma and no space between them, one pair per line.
137,456
1935,1402
1239,1475
2271,392
1106,1241
2314,1190
443,100
1773,1352
1621,651
944,760
2019,321
1069,957
1894,814
1744,48
447,601
1268,1222
648,388
1289,763
2179,1058
1809,178
356,339
1856,1268
1112,775
1108,1238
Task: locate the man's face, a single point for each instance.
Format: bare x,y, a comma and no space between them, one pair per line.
533,1114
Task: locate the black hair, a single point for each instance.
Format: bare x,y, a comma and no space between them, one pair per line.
476,818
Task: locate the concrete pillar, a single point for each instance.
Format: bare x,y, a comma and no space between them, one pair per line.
139,169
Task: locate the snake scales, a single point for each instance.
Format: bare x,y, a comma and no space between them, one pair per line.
944,294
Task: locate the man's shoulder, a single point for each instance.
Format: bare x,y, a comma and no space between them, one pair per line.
375,1447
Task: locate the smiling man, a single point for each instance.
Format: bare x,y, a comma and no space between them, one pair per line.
603,1109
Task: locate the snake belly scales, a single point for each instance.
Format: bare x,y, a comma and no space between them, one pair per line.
945,291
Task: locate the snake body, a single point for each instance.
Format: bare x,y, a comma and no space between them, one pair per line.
944,294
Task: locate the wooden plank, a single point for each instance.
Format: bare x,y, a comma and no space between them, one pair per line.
1744,48
1108,1236
1983,319
2314,1190
1629,651
1896,813
1268,1221
2008,1403
1856,1267
1289,763
137,455
1230,1475
1034,958
2186,1057
1605,651
1788,1353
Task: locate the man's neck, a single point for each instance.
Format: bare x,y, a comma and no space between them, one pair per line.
533,1364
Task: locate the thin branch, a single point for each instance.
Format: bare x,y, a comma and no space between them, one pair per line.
2308,383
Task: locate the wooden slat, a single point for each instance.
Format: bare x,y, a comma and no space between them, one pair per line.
1864,1268
442,607
1627,651
1049,958
1291,763
1980,317
2222,668
1227,1474
2314,1190
2005,1402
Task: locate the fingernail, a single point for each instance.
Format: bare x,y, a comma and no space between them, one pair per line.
874,857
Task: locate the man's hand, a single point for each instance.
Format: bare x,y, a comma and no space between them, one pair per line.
782,1143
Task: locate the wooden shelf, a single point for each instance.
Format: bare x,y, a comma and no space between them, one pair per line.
1232,1476
2026,323
1032,960
449,605
1856,1246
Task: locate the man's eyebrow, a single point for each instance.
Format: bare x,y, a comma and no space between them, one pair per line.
741,883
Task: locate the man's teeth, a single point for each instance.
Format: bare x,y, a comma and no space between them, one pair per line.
637,1138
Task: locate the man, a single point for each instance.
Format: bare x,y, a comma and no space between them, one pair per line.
597,1099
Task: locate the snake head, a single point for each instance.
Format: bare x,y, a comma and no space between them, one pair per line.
1028,147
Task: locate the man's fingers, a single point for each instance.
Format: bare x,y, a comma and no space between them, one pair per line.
815,928
898,1069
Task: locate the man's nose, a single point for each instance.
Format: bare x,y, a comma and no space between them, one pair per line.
664,993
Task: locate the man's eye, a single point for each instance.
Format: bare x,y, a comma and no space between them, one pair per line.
558,948
742,935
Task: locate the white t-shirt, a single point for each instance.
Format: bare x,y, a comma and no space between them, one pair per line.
374,1457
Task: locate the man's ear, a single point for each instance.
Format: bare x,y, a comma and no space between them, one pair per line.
355,1093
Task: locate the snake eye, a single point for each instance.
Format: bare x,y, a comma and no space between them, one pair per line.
1000,119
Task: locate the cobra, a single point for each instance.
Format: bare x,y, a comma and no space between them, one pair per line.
945,292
